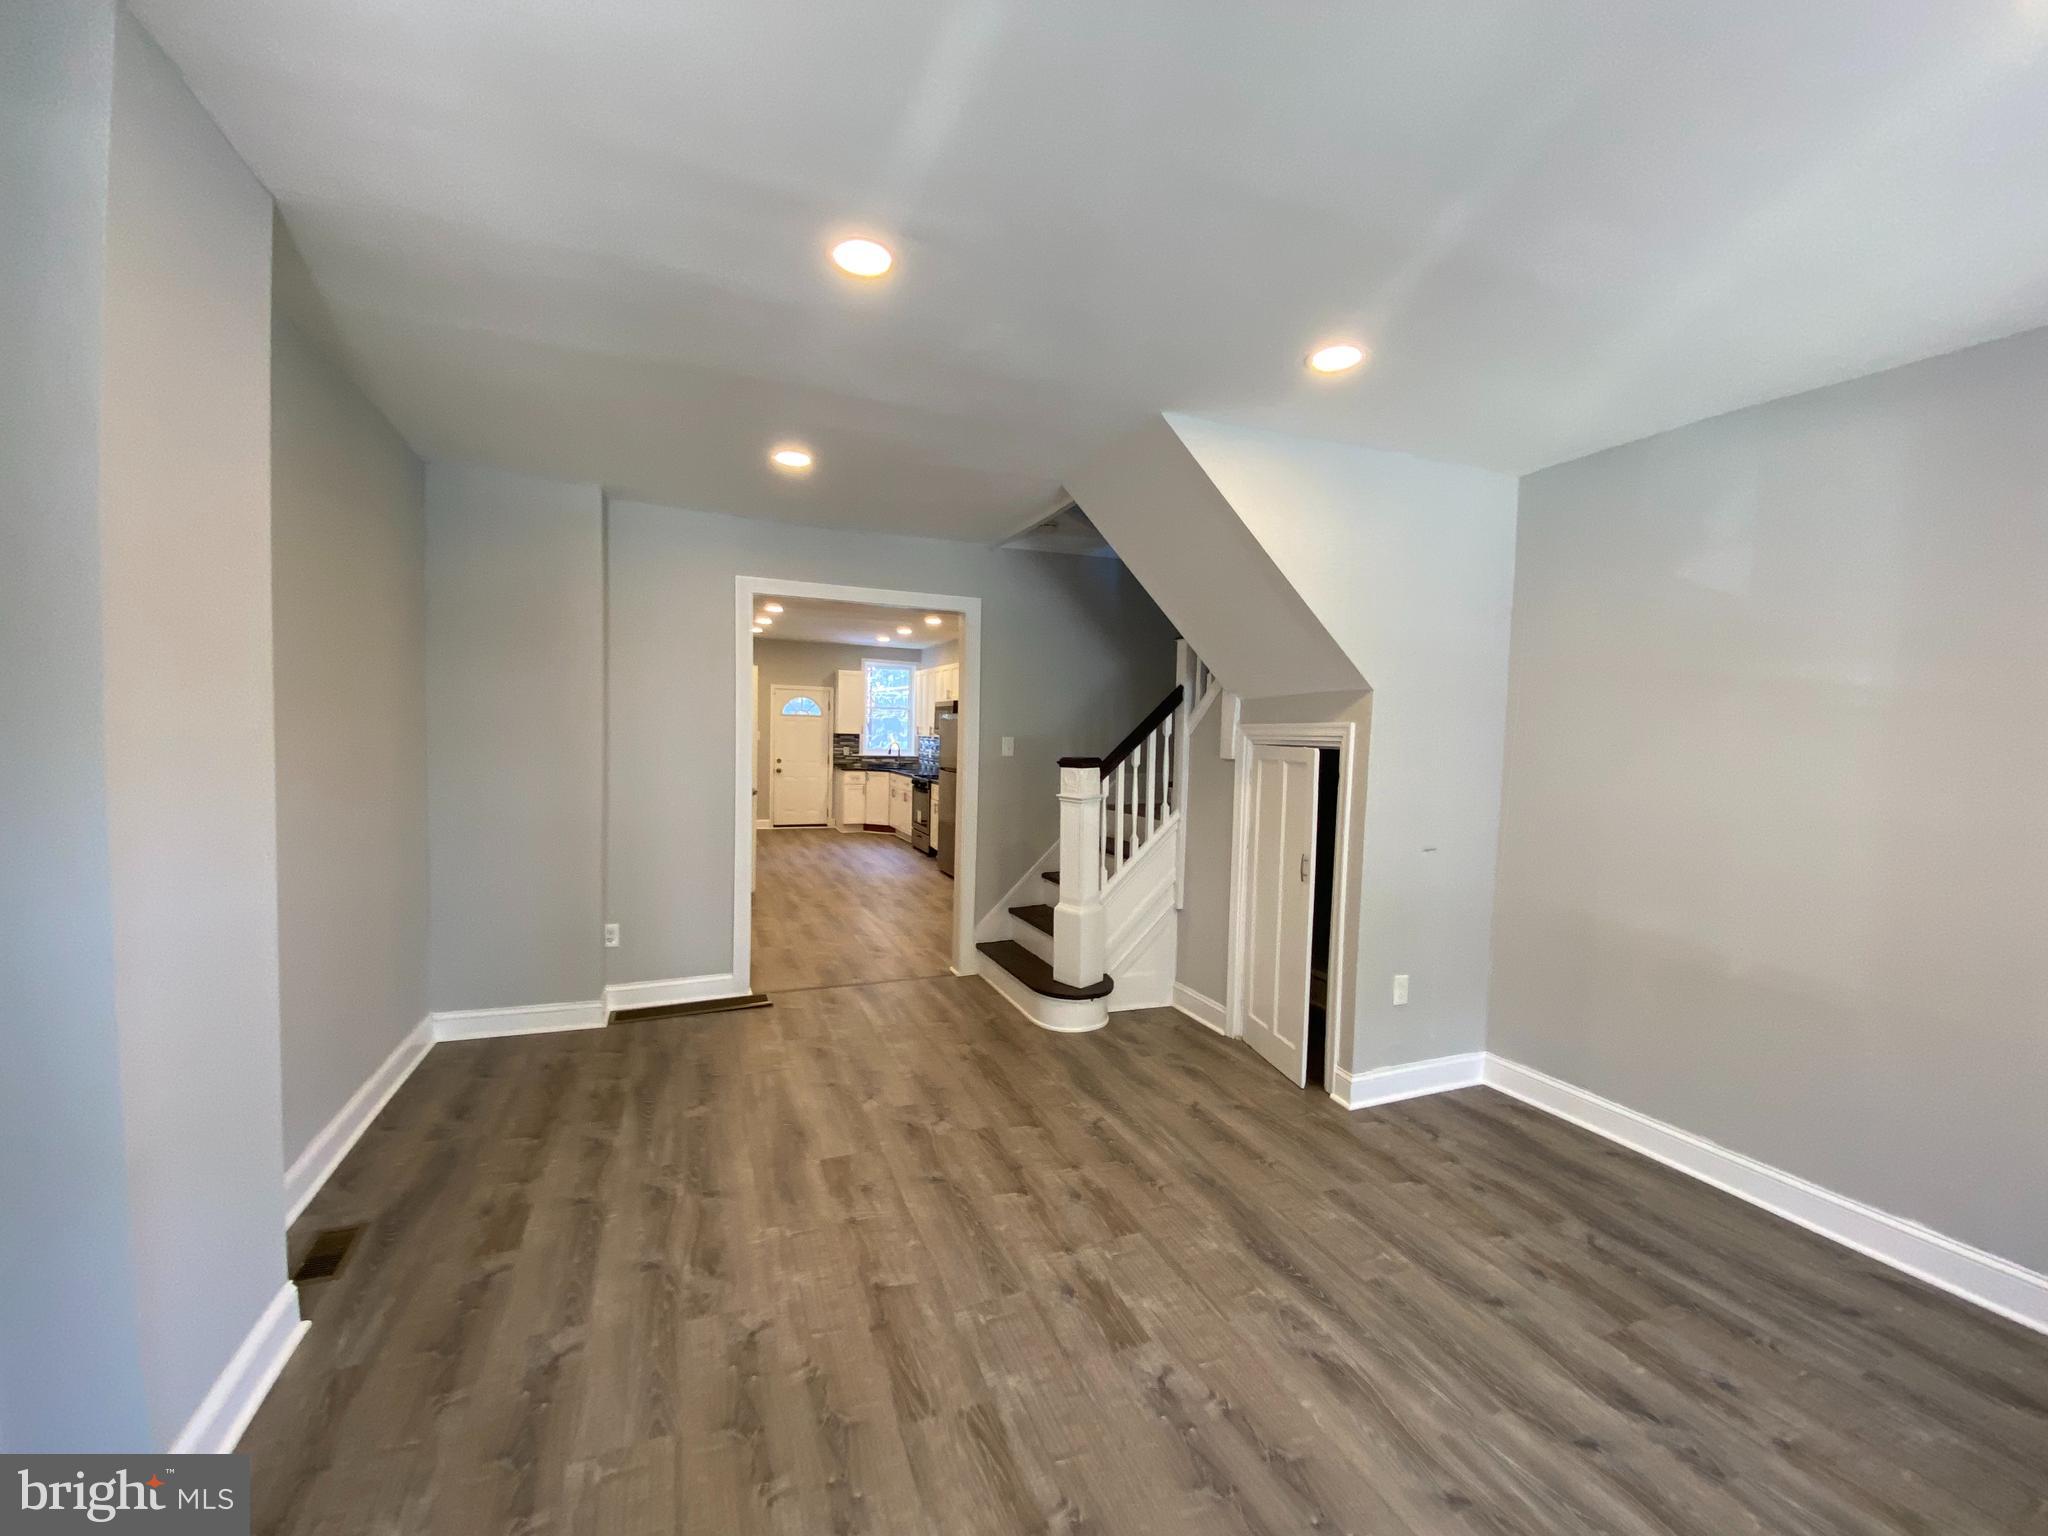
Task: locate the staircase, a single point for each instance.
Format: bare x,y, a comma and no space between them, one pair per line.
1098,933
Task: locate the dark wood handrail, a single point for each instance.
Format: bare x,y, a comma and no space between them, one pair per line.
1129,744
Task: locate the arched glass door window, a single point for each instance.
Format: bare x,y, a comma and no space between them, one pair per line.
801,705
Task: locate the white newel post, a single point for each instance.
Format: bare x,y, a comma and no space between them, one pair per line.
1080,939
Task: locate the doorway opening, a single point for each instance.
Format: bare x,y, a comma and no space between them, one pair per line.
857,789
1289,889
1320,933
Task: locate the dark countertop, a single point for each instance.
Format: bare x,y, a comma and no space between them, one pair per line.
907,768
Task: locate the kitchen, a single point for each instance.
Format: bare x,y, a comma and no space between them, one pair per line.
907,793
857,712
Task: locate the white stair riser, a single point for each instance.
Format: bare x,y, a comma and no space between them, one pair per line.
1040,944
1055,1014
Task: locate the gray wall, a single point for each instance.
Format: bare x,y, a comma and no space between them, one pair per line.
69,1377
191,761
1202,943
1774,859
516,750
348,552
1073,653
1409,565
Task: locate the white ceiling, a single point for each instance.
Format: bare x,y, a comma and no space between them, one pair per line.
587,239
810,618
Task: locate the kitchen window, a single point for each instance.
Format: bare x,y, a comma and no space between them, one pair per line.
886,731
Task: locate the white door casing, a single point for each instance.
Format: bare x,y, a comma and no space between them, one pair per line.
1281,843
799,755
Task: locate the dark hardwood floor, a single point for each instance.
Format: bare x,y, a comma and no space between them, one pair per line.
835,908
887,1258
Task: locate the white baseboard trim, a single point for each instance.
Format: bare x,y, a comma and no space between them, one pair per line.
546,1018
231,1402
1997,1284
1407,1080
1202,1008
676,989
323,1154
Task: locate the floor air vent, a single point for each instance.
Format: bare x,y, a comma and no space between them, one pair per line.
325,1256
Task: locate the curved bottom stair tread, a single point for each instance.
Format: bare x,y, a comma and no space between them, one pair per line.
1037,974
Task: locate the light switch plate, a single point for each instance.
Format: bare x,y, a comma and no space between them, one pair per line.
1400,989
1009,746
611,935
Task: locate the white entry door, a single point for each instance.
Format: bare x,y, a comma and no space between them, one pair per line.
799,755
1280,905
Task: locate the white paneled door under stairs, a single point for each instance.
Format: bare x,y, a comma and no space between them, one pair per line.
1093,928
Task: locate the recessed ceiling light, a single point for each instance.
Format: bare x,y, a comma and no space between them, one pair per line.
1336,357
762,621
792,458
757,629
933,618
771,607
881,639
902,629
861,257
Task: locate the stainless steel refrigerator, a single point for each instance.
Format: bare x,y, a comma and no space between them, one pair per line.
947,819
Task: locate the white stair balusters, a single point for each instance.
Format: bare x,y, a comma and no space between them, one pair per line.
1111,810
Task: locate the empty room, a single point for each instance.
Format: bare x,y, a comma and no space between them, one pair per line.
1024,766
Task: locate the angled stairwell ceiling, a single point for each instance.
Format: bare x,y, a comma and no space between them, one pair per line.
1207,570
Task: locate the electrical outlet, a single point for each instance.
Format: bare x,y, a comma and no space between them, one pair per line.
611,935
1400,989
1009,746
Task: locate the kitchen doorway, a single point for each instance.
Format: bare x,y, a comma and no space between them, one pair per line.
861,865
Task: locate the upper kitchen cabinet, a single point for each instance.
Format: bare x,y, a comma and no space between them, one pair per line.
935,686
850,703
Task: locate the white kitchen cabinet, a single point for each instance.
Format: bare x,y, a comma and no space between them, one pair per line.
876,799
850,703
853,799
924,699
899,804
946,682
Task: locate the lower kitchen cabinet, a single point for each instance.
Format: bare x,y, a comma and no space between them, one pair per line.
852,806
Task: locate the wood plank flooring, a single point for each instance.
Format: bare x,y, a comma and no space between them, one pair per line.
889,1259
836,908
